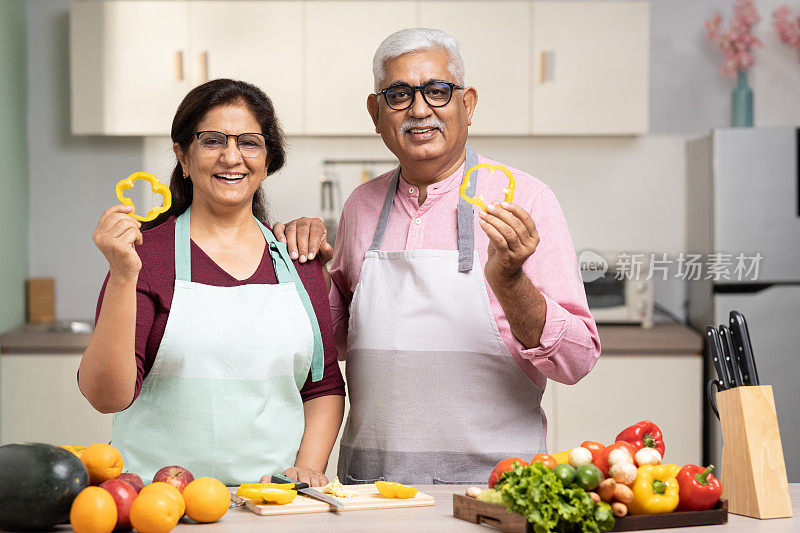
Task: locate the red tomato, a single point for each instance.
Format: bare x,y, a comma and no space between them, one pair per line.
595,447
502,467
546,460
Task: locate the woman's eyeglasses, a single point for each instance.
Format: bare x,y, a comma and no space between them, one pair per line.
249,144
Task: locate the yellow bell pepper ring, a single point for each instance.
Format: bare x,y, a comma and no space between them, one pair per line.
561,457
158,188
508,191
389,489
655,490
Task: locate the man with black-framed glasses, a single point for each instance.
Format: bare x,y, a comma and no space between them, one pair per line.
452,319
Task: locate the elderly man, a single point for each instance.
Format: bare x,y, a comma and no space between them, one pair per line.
452,319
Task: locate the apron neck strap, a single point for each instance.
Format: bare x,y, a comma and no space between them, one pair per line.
466,219
183,250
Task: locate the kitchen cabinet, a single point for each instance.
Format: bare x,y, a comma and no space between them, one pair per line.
341,38
258,42
40,401
590,68
128,67
495,43
654,375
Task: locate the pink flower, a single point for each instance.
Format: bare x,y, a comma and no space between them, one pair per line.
737,42
788,30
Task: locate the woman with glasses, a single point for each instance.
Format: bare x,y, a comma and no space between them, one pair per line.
212,347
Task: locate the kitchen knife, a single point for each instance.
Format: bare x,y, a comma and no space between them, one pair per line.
715,348
308,491
743,348
730,356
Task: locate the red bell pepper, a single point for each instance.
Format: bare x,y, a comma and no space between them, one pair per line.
602,460
595,447
645,434
699,490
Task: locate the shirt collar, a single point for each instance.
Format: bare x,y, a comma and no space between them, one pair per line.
440,187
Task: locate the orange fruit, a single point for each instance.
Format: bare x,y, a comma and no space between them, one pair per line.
102,461
93,511
155,511
207,499
170,491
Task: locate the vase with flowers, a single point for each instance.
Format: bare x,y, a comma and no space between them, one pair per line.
787,26
737,43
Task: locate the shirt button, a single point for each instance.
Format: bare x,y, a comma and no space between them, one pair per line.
411,190
418,221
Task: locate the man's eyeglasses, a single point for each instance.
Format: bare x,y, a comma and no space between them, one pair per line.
435,93
249,144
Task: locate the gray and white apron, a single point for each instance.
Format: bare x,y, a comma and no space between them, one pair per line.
223,396
435,395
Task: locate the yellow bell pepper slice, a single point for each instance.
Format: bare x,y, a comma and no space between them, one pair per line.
158,188
268,495
282,486
77,451
508,191
389,489
655,490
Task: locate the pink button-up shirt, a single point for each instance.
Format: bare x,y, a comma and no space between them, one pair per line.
569,344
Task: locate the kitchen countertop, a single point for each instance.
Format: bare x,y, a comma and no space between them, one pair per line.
438,518
662,338
73,337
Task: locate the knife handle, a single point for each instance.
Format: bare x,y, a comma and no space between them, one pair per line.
729,353
715,348
744,347
280,478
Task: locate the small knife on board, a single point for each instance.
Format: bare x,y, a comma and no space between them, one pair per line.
308,491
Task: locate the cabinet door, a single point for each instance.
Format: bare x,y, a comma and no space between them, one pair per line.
128,66
590,68
341,40
495,43
257,42
624,389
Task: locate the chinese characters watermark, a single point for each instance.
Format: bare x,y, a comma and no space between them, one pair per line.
718,266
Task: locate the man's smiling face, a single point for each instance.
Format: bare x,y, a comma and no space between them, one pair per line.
422,132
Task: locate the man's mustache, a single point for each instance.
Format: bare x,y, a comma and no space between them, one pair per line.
421,123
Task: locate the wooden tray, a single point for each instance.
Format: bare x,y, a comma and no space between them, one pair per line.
368,498
479,512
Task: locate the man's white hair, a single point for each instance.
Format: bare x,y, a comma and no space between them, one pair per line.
415,40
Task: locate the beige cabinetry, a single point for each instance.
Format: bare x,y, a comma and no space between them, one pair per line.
341,38
648,379
495,43
590,68
128,68
258,42
40,401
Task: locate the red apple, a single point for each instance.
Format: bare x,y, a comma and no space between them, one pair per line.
177,476
124,494
134,480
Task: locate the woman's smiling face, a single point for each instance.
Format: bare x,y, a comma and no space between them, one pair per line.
223,177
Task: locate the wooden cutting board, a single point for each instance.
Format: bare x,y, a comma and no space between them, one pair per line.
368,498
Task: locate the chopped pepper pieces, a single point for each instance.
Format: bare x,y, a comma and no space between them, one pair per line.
389,489
645,434
655,490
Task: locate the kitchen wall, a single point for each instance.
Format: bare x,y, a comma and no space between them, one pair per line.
14,171
617,193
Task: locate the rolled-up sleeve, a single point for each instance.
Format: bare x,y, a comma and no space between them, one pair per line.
569,344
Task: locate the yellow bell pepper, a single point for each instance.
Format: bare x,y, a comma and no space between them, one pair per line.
561,457
283,486
389,489
267,494
508,191
158,188
655,490
76,450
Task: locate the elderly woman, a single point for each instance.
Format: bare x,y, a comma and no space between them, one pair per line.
213,349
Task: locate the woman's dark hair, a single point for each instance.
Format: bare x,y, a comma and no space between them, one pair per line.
189,114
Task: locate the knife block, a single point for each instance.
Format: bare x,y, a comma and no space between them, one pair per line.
753,473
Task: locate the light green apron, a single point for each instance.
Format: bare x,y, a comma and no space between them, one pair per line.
223,396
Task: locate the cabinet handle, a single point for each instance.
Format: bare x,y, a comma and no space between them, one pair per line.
179,65
204,66
548,70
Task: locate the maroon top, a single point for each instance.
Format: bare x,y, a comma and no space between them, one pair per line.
156,285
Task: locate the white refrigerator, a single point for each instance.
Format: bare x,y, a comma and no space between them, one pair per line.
744,203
